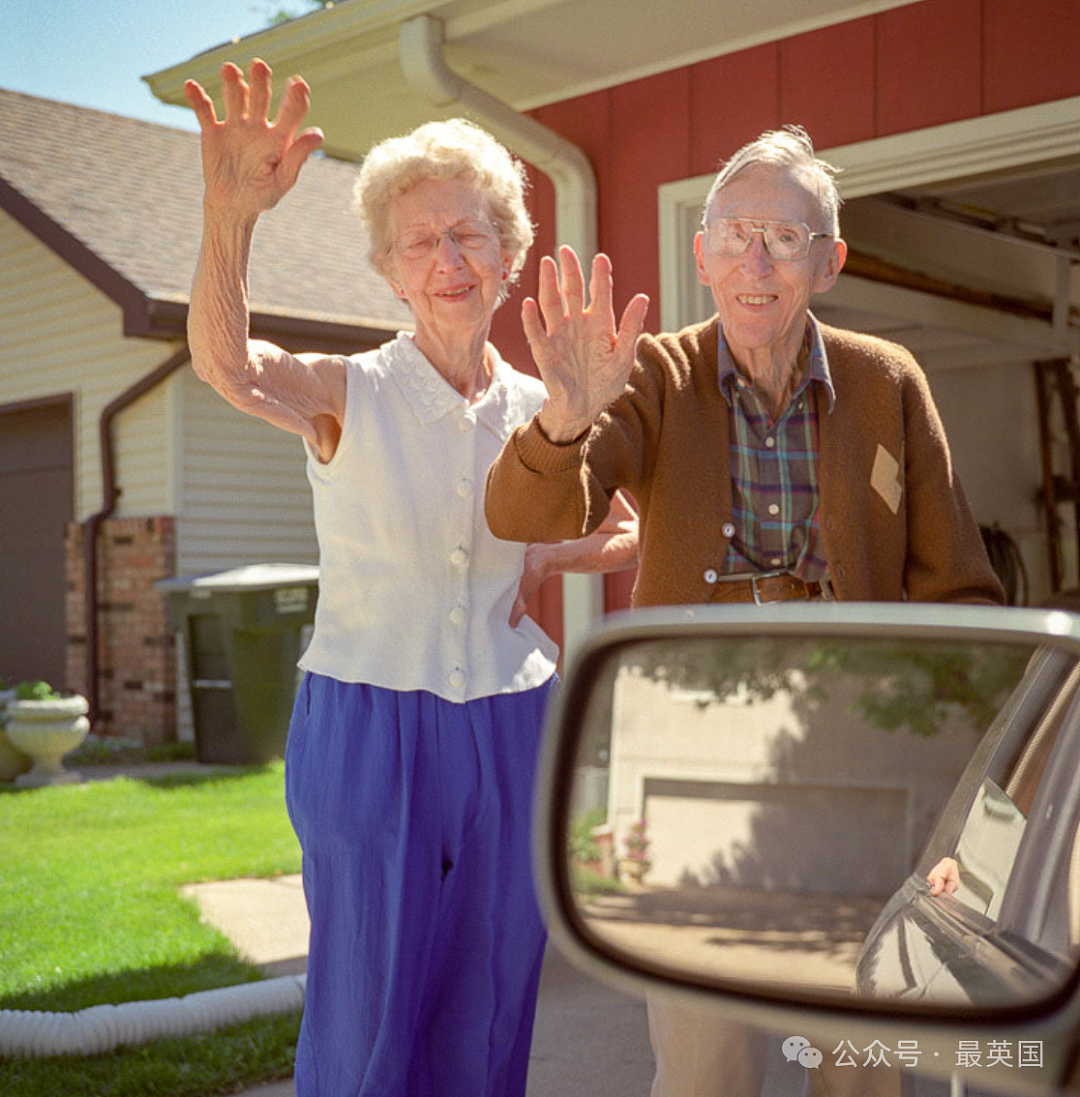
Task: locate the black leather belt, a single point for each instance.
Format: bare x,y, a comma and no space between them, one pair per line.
776,586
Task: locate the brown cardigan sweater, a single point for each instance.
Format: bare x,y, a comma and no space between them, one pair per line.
894,519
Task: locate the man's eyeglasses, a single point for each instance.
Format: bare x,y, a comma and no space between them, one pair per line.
468,236
731,236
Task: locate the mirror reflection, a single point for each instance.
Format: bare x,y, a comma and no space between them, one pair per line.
769,810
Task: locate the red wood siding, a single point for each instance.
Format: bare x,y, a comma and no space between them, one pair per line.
928,74
827,82
920,65
732,100
1032,52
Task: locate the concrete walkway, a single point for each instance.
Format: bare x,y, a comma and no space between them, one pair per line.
267,920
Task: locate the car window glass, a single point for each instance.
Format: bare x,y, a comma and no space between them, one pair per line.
1023,780
990,838
987,849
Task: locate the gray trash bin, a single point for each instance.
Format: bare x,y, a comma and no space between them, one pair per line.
242,634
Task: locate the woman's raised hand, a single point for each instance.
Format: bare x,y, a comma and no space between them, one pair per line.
249,162
583,359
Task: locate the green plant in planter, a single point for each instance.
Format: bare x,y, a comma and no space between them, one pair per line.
35,691
583,845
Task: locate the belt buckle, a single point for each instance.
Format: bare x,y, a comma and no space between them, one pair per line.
754,579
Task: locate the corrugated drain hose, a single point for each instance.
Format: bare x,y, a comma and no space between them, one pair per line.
38,1034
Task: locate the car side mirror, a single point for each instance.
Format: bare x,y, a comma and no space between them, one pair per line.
745,806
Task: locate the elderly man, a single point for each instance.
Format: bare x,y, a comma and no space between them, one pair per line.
772,457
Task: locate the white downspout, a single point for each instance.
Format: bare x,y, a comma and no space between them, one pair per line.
420,43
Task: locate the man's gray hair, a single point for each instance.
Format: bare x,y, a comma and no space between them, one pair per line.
789,148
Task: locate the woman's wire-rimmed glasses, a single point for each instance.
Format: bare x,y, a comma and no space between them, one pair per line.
467,235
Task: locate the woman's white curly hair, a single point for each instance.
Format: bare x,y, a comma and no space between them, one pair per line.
451,149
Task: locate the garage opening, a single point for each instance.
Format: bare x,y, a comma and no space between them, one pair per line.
36,503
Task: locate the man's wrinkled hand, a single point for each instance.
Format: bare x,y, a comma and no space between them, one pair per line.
535,571
584,360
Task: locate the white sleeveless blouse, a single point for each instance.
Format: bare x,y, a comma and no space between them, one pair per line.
414,591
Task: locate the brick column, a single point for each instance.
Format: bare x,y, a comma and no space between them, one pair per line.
137,663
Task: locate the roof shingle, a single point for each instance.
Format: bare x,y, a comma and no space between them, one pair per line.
131,192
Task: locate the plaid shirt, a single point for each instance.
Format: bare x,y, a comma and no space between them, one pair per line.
774,484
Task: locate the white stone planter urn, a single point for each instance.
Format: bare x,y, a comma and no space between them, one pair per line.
633,868
46,731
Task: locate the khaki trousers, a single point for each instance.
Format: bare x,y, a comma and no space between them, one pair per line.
700,1054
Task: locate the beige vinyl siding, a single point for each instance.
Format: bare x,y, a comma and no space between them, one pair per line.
142,446
61,335
242,491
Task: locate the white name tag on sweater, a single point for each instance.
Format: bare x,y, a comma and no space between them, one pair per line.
885,478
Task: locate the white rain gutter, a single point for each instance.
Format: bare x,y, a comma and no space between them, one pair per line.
420,50
39,1034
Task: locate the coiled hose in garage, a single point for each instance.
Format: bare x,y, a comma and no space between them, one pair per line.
1007,563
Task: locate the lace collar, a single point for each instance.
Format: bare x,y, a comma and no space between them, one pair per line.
431,396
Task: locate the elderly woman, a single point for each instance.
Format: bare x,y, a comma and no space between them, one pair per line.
411,752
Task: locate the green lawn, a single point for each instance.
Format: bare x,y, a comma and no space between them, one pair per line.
91,914
223,1062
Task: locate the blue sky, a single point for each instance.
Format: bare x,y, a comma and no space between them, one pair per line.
93,52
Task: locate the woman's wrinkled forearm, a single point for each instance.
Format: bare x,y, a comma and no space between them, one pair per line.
218,316
254,376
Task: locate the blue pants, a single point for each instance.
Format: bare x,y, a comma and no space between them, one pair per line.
414,814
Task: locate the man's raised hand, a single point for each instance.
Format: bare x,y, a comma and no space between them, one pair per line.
583,359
